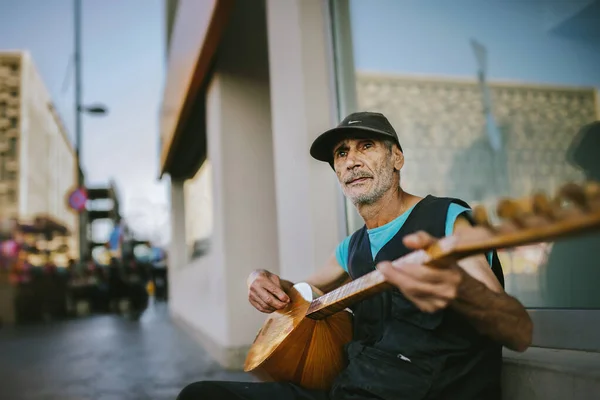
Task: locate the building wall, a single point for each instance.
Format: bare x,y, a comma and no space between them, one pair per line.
273,207
208,292
10,111
44,163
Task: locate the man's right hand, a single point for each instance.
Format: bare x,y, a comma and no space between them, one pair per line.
265,291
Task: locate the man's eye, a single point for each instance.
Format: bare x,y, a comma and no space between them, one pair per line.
368,145
342,154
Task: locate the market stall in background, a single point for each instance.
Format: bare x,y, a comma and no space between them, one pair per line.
34,260
41,278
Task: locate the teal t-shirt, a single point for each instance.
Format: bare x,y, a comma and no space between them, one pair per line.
379,236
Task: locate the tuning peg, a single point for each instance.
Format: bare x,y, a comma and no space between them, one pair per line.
511,210
542,206
574,193
480,216
592,191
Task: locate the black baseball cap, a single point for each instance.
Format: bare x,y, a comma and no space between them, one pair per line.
359,124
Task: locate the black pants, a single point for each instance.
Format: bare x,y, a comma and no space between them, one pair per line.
213,390
371,374
368,376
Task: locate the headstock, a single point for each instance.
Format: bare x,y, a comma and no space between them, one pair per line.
571,200
575,209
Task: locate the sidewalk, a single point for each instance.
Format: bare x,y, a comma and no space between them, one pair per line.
104,358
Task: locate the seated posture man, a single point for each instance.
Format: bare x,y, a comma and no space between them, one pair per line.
439,335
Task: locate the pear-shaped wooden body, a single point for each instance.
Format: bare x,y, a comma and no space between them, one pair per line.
291,347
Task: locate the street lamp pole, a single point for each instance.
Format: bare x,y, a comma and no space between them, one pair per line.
77,61
80,108
82,223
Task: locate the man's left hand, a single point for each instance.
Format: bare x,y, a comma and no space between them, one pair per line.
429,288
470,288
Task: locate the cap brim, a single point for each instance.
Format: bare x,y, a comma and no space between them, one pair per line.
322,147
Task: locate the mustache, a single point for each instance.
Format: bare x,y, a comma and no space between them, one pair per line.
357,175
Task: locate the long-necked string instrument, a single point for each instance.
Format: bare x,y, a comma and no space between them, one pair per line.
303,343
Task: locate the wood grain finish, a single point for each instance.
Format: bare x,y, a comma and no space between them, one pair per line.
304,343
291,347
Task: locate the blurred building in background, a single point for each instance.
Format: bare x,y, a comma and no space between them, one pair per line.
487,98
38,167
104,207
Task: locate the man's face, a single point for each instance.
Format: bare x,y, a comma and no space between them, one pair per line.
365,169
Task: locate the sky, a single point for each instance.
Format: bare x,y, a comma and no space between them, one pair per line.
123,53
433,38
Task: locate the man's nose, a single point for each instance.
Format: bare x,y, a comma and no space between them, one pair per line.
352,160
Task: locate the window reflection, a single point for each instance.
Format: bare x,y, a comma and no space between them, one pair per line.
199,211
489,99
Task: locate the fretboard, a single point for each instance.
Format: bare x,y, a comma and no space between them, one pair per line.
368,284
347,295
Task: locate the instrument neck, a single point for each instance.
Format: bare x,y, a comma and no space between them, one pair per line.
344,296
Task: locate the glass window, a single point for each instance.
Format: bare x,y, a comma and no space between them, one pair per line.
199,210
488,99
12,147
11,196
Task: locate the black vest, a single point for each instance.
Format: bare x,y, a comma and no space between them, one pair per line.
399,352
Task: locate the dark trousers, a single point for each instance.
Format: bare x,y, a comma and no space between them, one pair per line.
371,374
213,390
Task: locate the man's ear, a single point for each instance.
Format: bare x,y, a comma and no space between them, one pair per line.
398,158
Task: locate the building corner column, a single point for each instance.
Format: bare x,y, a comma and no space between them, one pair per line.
303,105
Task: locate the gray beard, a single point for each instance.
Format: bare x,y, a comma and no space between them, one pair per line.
385,182
368,198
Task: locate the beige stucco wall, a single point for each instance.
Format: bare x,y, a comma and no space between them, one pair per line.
273,206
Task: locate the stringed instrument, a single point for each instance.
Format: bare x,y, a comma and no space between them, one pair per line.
304,342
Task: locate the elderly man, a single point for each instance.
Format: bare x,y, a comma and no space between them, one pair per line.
439,335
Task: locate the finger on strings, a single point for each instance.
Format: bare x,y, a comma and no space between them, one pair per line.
418,240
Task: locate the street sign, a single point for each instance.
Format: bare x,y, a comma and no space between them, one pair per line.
78,199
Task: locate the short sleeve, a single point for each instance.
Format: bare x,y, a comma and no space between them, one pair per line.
454,210
341,253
